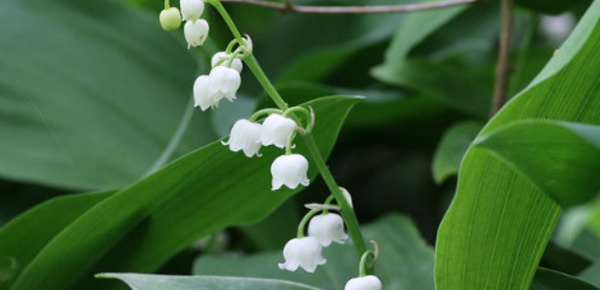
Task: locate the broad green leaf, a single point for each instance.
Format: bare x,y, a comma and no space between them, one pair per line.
452,148
91,93
561,158
591,274
139,228
495,231
546,279
22,238
164,282
430,49
405,261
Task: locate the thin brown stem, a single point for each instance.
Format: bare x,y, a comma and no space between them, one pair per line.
288,7
503,67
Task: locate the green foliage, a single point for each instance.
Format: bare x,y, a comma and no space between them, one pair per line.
24,237
94,96
548,280
434,71
406,264
561,158
499,222
161,282
89,103
171,208
452,148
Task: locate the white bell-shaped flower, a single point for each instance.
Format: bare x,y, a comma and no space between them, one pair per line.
195,32
191,9
369,282
327,228
302,252
276,130
289,170
245,135
202,97
224,83
223,58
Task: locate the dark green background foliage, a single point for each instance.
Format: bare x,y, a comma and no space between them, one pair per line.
92,94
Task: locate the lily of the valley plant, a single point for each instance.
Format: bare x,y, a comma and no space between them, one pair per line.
277,127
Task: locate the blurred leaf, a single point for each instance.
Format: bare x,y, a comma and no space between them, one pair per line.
272,232
164,282
405,261
442,53
229,112
452,148
546,279
380,107
292,43
499,222
550,7
591,274
142,226
561,158
23,237
90,93
564,259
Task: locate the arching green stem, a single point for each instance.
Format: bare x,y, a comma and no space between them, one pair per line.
366,261
262,112
304,221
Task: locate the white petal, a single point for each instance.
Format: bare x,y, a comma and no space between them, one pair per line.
191,9
224,82
276,130
202,97
304,252
244,136
327,228
195,32
290,170
223,57
369,282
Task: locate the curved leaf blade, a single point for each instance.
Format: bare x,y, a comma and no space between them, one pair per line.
452,148
495,231
546,279
107,74
561,158
171,209
164,282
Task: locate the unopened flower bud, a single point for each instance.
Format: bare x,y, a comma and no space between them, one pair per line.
290,170
302,252
195,32
191,9
170,19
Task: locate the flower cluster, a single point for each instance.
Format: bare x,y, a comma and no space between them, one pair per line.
222,82
277,130
195,29
268,127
